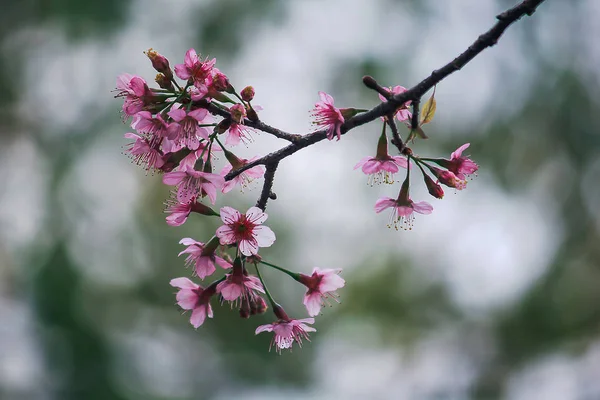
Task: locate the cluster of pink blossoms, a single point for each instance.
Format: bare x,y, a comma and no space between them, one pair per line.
178,126
382,167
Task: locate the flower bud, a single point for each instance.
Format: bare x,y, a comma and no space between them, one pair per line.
247,93
200,208
258,306
220,82
160,63
434,189
223,125
164,82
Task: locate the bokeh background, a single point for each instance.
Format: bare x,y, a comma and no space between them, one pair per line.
494,295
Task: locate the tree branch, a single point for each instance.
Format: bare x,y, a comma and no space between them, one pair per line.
488,39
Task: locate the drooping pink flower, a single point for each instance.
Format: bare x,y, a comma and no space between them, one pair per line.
238,133
144,152
321,285
245,230
462,166
179,212
202,256
245,178
402,210
194,297
327,115
448,178
136,92
191,183
144,122
381,169
194,69
186,128
403,114
288,331
238,285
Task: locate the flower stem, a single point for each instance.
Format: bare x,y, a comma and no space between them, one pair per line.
290,273
273,302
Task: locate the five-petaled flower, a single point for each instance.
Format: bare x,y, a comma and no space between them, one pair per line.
195,70
327,115
136,92
321,286
402,208
194,297
461,166
238,285
287,330
186,129
245,229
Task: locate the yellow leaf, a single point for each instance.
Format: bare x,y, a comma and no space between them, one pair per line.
428,110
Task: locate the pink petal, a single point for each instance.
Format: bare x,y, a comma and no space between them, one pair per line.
252,282
383,203
130,135
362,162
204,267
222,262
264,328
264,236
371,167
226,235
198,316
249,247
229,215
187,299
190,58
458,152
256,215
173,178
183,283
423,207
189,242
182,72
400,161
229,291
312,302
123,81
198,114
325,98
177,115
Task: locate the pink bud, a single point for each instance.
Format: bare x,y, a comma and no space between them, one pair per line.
247,93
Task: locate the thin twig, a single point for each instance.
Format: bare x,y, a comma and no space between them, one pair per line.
266,194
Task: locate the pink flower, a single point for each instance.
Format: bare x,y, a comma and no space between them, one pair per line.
402,207
381,169
179,212
191,183
245,178
462,166
202,256
144,152
185,129
194,69
144,122
288,331
327,115
321,285
194,297
245,230
238,133
136,92
402,113
238,285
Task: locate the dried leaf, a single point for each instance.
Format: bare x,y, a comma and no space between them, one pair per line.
428,110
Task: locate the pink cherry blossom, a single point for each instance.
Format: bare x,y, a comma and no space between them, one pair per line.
238,133
194,297
288,331
381,169
245,230
144,122
191,183
321,285
144,152
178,212
194,69
402,210
402,113
202,256
245,178
136,92
462,166
327,115
237,285
185,129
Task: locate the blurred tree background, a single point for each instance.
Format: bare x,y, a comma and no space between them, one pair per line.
495,295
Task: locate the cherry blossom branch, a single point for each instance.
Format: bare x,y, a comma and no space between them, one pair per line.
488,39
